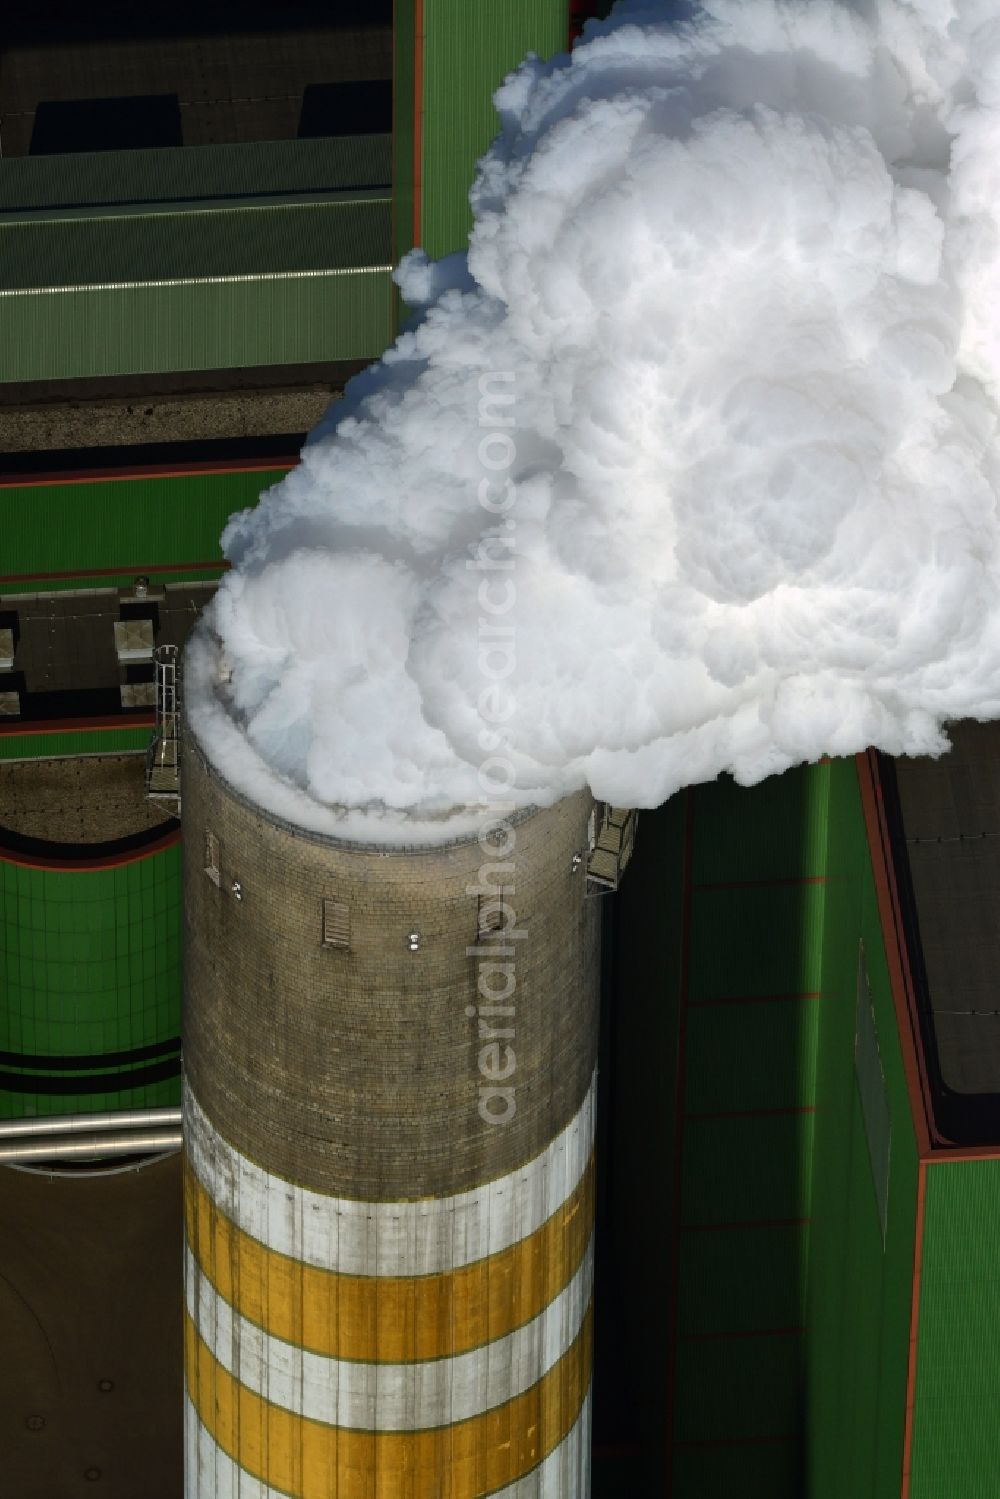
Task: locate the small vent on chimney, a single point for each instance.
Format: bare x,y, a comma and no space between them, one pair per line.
489,916
336,923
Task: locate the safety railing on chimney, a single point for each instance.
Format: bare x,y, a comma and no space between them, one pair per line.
163,757
611,842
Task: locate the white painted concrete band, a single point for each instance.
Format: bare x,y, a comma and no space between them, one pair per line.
210,1474
388,1238
388,1397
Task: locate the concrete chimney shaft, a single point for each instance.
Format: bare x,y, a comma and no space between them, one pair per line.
389,1188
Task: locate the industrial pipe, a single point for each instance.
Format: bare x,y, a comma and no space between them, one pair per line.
74,1147
78,1124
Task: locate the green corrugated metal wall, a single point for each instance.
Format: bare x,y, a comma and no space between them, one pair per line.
91,959
124,246
636,1104
183,282
403,95
750,1022
138,329
162,175
793,1320
72,742
120,523
91,962
468,50
859,1291
956,1425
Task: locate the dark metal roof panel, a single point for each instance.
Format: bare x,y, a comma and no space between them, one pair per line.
949,813
32,184
196,245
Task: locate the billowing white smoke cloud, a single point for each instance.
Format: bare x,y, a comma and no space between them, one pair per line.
740,275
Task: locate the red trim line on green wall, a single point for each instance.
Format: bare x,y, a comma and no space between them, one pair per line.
737,1225
114,861
129,570
911,1362
757,999
78,725
145,471
931,1144
712,1442
798,879
897,958
966,1153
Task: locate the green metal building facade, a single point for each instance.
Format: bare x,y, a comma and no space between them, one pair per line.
100,531
450,57
749,1027
836,1315
91,964
208,258
757,1074
861,1268
791,1311
957,1349
90,955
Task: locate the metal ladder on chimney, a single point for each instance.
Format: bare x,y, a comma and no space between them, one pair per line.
163,757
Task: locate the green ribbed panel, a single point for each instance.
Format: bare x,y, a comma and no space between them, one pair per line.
742,1280
468,50
759,940
403,96
99,178
635,1168
120,523
736,1390
235,325
859,1292
956,1428
762,1471
755,951
774,831
91,962
88,742
746,1169
194,244
751,1056
621,1472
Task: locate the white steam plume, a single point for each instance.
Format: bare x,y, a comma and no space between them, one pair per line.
740,271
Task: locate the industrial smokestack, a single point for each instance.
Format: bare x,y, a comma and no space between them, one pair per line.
389,1121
